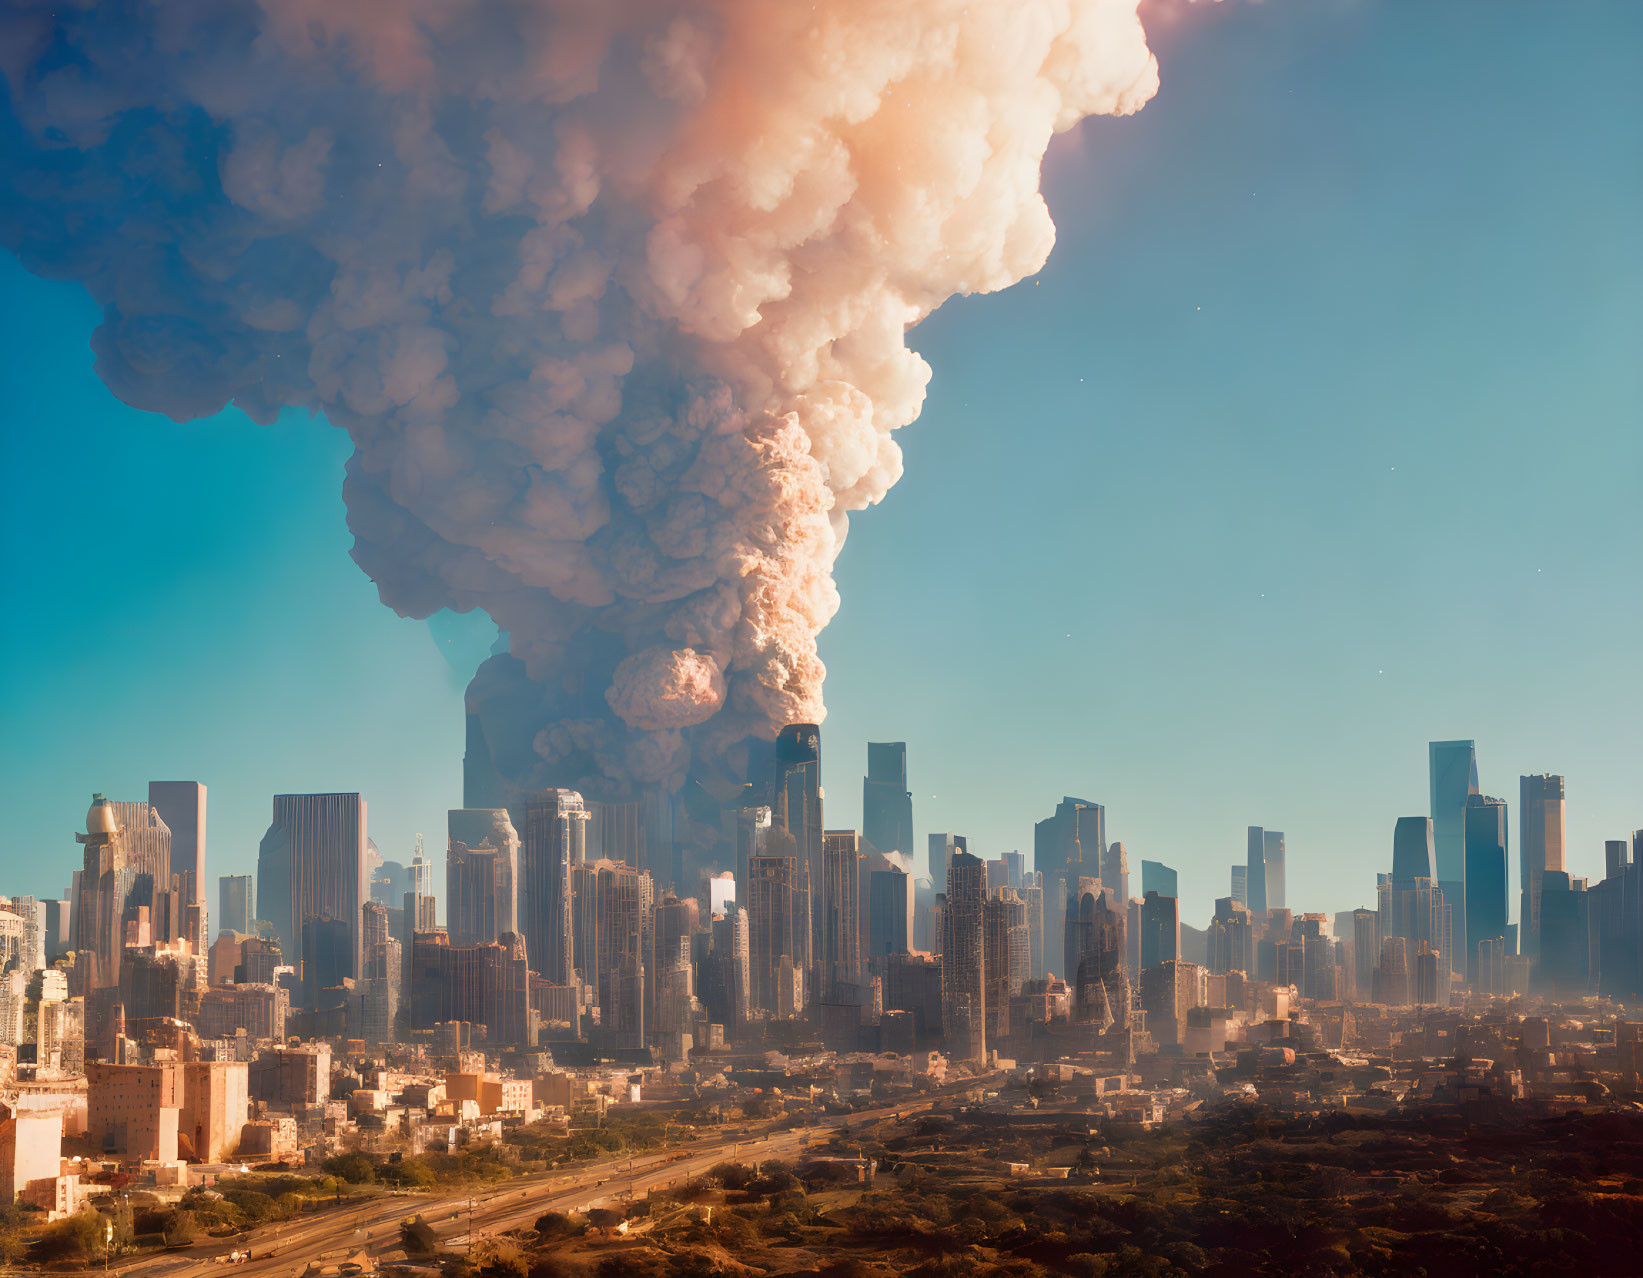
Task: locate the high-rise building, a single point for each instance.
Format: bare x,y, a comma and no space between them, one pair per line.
1366,952
1392,975
771,924
485,985
1412,848
1615,915
1542,834
963,967
555,840
236,903
1564,962
1168,992
1240,884
311,865
613,908
1069,845
1231,938
1484,833
1032,895
1272,851
796,806
1255,894
889,904
838,957
1160,929
941,849
127,862
1452,772
1115,871
1158,877
726,996
181,805
886,803
1005,956
481,876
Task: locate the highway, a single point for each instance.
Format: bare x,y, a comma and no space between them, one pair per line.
373,1224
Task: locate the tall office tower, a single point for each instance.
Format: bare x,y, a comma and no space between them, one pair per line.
486,985
998,874
379,992
236,903
1168,992
1483,831
1564,965
889,904
1158,877
1429,977
421,872
1542,832
1391,984
1005,958
747,828
838,955
1032,894
886,803
1231,938
1452,774
373,925
59,928
612,921
1015,869
555,839
1240,884
1094,943
941,850
1366,952
1115,869
771,924
1160,929
1615,913
728,998
1273,854
481,876
963,967
1412,848
1067,846
181,805
127,857
312,864
329,948
1255,895
796,806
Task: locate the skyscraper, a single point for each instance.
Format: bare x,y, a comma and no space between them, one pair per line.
1452,772
886,803
236,903
127,860
1255,878
481,876
1240,884
1541,836
311,865
1412,848
940,854
181,805
1160,929
1067,846
771,922
839,937
963,967
1158,877
1273,854
889,904
555,840
1115,869
796,806
1484,831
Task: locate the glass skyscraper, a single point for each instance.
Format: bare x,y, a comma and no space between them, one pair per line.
1158,877
1452,773
1486,856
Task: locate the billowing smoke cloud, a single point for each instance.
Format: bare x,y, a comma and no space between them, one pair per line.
611,298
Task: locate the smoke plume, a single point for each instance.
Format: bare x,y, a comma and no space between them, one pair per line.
612,299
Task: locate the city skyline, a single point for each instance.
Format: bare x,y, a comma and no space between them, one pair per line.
1203,650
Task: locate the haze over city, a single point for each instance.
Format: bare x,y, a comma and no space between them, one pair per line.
1247,495
946,639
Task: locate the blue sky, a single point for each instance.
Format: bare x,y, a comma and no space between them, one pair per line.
1318,438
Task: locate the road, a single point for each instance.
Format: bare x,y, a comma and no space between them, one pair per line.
373,1224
